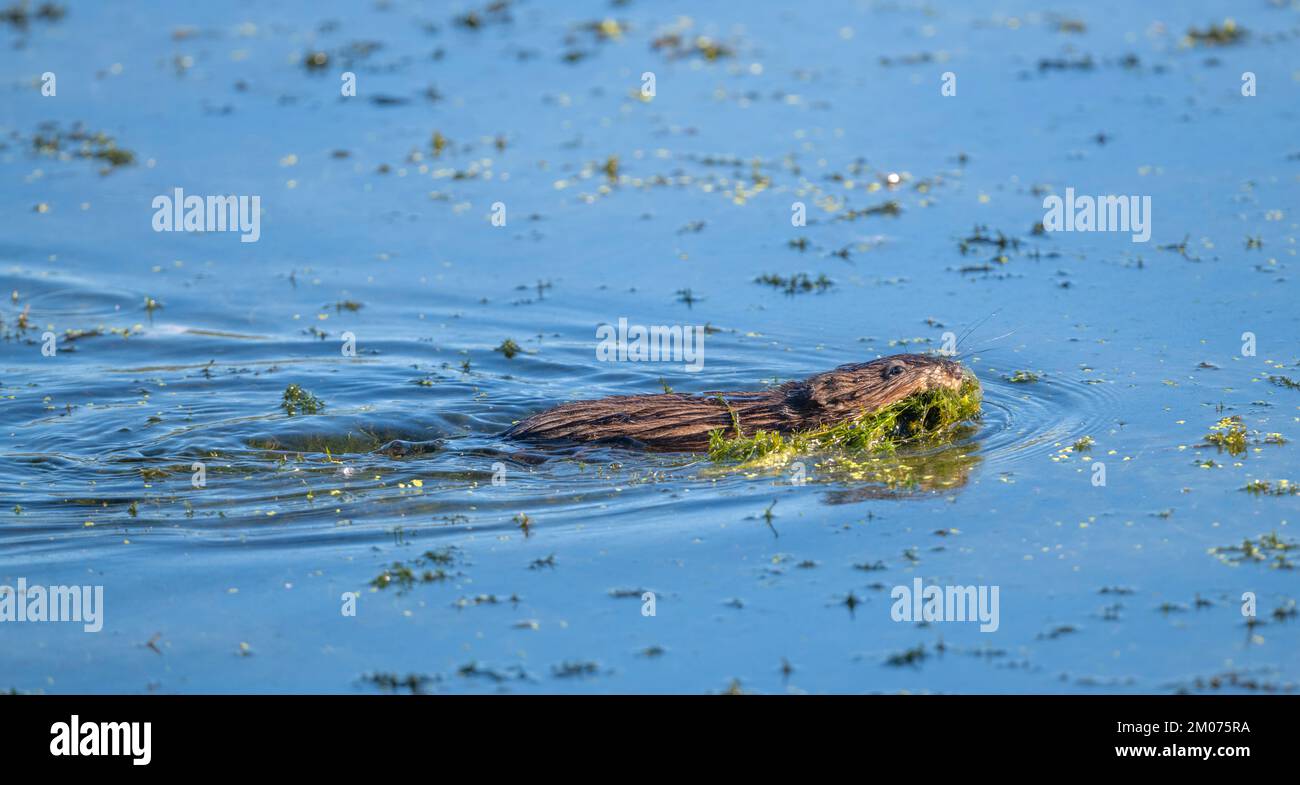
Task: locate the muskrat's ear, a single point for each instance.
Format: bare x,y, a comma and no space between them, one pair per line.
798,396
817,392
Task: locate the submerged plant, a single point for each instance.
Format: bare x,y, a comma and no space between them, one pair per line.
926,417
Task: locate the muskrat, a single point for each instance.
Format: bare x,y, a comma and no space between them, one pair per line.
679,422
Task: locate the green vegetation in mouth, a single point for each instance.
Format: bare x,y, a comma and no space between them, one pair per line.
296,400
925,418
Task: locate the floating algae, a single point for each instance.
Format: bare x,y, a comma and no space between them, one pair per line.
509,348
930,417
1264,548
1216,35
1228,434
1022,377
1266,488
296,400
799,282
78,142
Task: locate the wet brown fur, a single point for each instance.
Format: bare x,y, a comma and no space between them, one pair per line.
680,422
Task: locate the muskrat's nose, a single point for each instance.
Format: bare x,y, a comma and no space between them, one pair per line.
954,375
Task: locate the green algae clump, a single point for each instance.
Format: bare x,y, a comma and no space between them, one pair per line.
1266,488
925,418
509,348
1228,434
296,400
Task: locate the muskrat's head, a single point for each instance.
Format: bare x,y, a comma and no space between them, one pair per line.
850,390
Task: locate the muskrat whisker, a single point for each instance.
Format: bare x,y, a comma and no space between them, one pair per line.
970,330
987,348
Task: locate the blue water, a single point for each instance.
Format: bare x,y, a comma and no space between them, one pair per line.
239,586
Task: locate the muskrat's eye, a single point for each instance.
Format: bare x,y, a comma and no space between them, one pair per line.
894,370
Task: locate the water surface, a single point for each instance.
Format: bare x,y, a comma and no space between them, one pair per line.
182,345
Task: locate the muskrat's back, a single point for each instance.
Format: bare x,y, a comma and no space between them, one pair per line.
670,421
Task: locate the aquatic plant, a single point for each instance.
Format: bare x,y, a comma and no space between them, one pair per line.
1022,377
78,142
980,235
509,348
1216,35
570,669
891,208
20,15
799,282
675,46
296,400
926,417
405,575
439,143
1261,549
912,656
1266,488
417,683
1228,434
